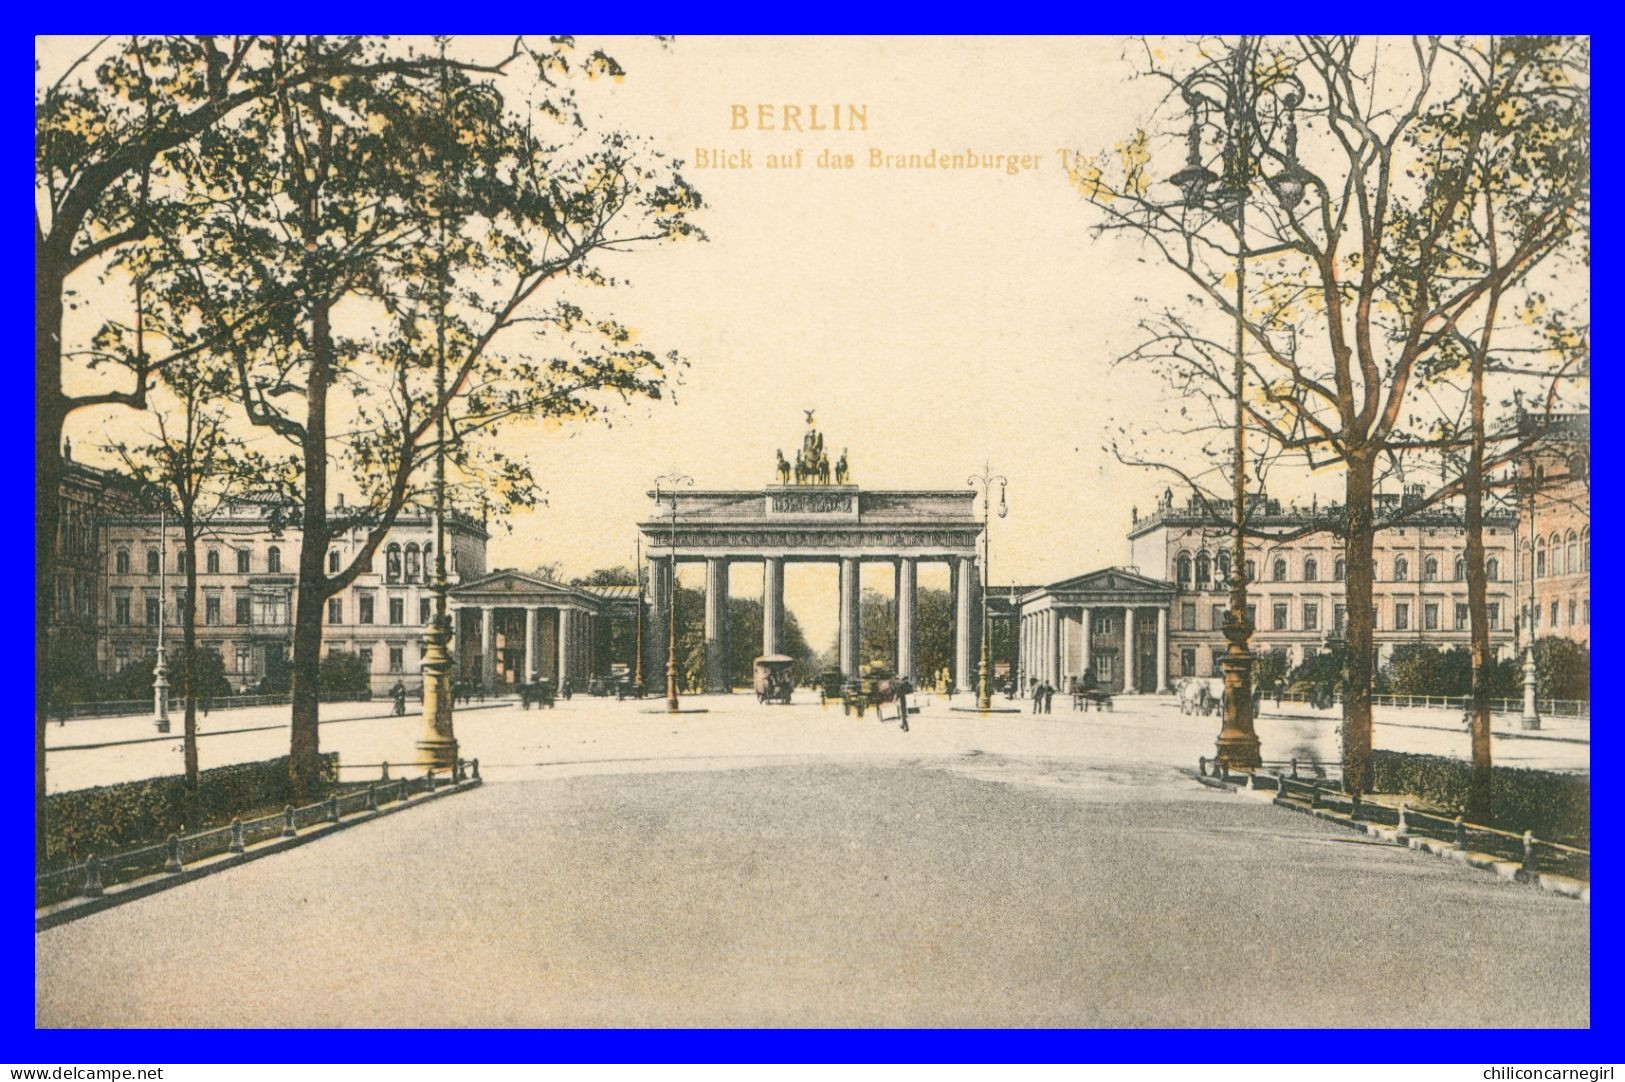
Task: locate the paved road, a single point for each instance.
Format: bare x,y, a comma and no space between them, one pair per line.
788,866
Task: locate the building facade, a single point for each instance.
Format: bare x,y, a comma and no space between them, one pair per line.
1554,573
88,498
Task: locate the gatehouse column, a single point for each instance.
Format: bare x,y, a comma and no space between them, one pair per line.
716,624
1088,629
964,622
488,648
527,667
1128,651
907,602
1052,647
1162,649
848,620
772,603
567,670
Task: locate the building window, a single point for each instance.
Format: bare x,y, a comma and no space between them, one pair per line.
1204,571
1187,617
245,659
273,560
1218,617
1574,610
211,562
397,610
425,609
1340,570
335,610
1218,662
1430,569
1585,551
1402,616
1252,615
333,562
121,610
1278,616
1339,616
1540,558
1585,608
1311,570
1252,573
1402,569
397,659
1187,661
1221,567
365,654
1572,559
152,561
1104,625
1430,616
392,563
1492,569
1557,555
413,566
365,603
121,562
211,610
1554,616
242,561
153,615
1182,570
1311,616
180,561
1495,614
121,658
1460,572
245,609
1279,573
1462,618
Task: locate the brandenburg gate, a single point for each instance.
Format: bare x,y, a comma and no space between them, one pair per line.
806,518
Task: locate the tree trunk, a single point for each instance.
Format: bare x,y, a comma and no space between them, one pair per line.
305,742
48,421
189,644
1361,616
1479,799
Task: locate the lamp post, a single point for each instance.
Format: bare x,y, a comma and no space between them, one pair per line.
637,651
984,482
437,749
668,485
160,666
1240,95
1526,487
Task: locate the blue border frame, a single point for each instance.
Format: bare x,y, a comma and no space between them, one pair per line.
22,1043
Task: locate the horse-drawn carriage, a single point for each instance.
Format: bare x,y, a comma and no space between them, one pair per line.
831,685
1200,696
540,692
774,682
1087,694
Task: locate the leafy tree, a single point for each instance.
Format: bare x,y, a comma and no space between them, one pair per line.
439,221
1416,192
344,676
1270,668
1562,669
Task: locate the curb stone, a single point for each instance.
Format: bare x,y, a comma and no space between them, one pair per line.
1567,886
74,908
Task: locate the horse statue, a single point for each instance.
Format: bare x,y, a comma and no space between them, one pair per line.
783,469
823,468
841,471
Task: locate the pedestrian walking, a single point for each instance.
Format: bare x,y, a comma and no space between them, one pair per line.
399,693
1049,696
903,688
1038,697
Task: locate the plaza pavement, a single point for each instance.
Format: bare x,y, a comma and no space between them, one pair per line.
791,866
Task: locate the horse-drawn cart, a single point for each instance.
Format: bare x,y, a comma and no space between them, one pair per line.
539,692
831,686
774,682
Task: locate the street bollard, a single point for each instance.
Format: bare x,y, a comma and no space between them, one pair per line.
405,791
1250,785
172,849
1354,805
1314,794
1201,766
1402,831
332,809
1294,768
93,877
431,779
1461,833
476,765
288,828
1529,852
237,845
385,775
372,797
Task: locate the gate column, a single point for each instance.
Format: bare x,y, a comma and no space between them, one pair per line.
849,617
907,602
772,603
716,625
964,622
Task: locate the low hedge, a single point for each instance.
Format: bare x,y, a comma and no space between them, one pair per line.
110,818
1557,807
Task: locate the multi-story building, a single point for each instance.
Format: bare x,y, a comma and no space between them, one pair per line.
246,577
1296,597
1554,574
87,497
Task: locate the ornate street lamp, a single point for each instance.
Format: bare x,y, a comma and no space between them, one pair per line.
438,747
160,666
1241,98
667,485
984,481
